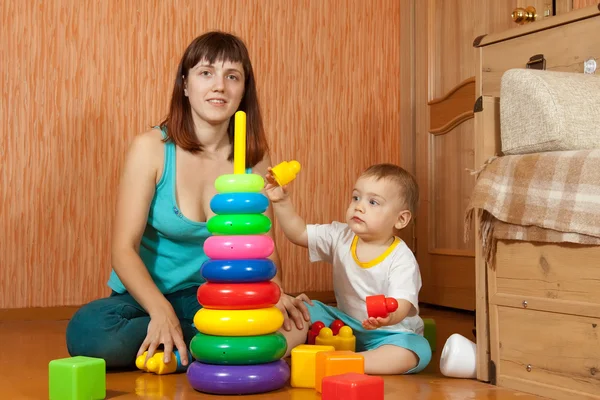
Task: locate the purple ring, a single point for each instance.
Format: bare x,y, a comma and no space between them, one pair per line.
238,379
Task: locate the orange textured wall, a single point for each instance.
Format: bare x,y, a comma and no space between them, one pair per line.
80,79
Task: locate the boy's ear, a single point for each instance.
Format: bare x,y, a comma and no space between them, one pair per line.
403,219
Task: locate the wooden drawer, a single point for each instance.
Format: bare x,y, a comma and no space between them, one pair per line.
565,47
548,354
544,304
561,278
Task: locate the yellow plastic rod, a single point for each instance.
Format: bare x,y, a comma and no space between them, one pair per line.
239,143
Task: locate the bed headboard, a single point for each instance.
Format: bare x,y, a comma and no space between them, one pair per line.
566,43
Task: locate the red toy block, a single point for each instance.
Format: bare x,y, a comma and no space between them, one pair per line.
380,306
352,386
313,332
336,325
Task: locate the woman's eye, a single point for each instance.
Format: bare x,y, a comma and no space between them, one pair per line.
233,77
204,73
373,202
355,198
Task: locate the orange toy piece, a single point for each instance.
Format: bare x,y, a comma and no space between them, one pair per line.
314,331
303,364
344,340
331,363
352,386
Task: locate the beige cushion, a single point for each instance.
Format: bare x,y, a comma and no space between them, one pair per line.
549,111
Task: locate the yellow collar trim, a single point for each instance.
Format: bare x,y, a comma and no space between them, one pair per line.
375,261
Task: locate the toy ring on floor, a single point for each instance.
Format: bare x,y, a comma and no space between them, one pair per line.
238,271
238,379
239,203
238,350
238,296
237,183
236,247
239,224
260,321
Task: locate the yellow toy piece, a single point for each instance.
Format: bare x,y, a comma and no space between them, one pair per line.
344,340
156,363
303,364
329,363
285,172
260,321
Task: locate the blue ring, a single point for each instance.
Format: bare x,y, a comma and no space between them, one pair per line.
243,270
239,203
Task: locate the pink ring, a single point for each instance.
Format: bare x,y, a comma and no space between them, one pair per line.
238,246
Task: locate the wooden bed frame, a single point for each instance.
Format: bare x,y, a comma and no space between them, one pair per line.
536,294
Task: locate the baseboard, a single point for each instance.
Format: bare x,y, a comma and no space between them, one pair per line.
38,313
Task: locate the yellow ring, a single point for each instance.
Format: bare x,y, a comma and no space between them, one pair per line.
260,321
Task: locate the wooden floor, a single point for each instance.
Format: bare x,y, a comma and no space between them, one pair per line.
28,346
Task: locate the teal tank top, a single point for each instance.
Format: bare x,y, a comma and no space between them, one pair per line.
172,246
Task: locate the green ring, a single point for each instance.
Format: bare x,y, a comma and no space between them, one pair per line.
238,183
238,350
239,224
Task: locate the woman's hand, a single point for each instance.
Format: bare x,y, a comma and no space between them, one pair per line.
164,328
294,308
273,191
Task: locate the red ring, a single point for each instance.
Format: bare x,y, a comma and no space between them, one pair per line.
238,296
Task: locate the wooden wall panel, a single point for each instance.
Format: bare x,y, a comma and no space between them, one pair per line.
81,78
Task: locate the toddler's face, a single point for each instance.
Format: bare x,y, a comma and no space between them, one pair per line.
375,206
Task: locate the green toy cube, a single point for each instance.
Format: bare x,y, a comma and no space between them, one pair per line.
77,378
430,332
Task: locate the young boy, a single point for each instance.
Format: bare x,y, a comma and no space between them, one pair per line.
368,259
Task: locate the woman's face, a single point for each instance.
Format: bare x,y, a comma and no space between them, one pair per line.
215,90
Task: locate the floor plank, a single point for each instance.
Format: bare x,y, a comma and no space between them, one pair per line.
28,346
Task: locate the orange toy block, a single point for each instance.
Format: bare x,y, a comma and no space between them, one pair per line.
303,364
344,340
331,363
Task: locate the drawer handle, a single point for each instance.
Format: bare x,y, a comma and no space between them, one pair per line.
528,367
524,303
524,15
536,62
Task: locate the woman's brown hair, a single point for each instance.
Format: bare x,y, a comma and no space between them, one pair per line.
179,125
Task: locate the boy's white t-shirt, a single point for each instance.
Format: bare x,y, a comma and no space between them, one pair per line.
394,275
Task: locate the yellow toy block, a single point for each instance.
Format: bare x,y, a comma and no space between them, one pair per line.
330,363
156,364
344,340
303,364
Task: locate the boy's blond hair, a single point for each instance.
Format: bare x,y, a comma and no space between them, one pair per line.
406,183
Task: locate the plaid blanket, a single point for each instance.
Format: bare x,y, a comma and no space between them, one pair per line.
546,197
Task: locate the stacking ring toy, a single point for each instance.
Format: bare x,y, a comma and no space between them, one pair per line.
238,271
239,203
239,224
238,296
236,247
238,350
238,379
237,183
260,321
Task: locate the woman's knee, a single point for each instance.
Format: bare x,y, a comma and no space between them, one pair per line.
98,329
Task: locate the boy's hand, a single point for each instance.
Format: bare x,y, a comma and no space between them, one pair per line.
273,191
374,323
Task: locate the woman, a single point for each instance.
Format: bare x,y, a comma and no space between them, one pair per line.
162,208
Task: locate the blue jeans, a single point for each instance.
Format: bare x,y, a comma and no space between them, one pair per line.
113,328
